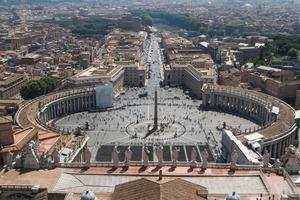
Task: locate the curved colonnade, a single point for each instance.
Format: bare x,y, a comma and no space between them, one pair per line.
75,101
275,116
39,111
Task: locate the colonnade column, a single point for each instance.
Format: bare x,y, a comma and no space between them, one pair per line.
275,150
204,99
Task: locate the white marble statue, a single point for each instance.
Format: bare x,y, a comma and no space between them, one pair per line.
87,156
128,156
266,158
205,156
115,157
44,161
31,158
146,154
19,161
284,158
233,159
194,157
159,155
55,156
292,165
9,159
277,164
175,155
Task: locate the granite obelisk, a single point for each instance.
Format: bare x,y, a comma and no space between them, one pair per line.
155,110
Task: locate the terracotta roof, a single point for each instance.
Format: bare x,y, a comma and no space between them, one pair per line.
47,140
21,138
153,189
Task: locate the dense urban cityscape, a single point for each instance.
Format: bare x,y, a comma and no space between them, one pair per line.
149,99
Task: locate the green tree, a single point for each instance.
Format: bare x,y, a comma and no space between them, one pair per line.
31,90
211,33
147,20
35,88
49,83
184,21
293,53
24,91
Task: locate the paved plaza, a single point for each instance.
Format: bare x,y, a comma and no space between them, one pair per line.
110,127
182,121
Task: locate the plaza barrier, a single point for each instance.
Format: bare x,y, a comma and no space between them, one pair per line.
165,164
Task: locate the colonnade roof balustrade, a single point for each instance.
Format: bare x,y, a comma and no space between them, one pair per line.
26,114
285,122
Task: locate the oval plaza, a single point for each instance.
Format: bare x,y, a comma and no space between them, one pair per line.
147,104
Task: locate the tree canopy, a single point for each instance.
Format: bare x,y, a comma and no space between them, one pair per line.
293,53
35,88
147,20
184,21
285,42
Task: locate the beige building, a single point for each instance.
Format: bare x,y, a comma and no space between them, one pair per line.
6,136
245,53
93,76
187,65
189,76
9,106
31,58
13,140
10,84
121,63
134,75
273,81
